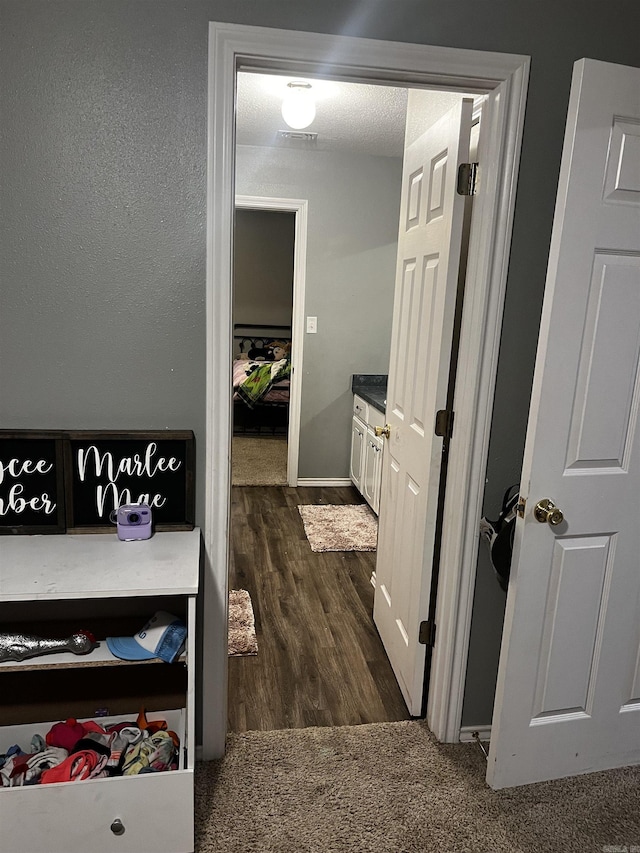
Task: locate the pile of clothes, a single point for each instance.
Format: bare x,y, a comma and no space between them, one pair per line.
73,751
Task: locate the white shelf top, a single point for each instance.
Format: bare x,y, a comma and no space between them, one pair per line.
100,656
52,567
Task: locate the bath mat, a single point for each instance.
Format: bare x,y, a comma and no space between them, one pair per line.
351,527
242,630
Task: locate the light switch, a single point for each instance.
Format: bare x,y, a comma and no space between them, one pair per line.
312,325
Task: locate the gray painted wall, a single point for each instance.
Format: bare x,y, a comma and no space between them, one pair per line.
263,267
103,205
354,204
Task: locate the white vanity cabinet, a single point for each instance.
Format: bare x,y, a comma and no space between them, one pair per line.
366,451
112,588
372,476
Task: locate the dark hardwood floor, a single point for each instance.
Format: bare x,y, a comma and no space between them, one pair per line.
320,660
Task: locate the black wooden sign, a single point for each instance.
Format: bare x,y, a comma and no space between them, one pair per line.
31,482
105,470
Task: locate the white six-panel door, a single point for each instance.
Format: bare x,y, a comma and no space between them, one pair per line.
431,215
568,695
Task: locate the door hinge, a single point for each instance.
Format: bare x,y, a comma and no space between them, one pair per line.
467,178
444,423
427,633
520,507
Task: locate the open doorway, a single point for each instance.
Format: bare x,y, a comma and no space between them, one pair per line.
504,78
353,183
262,335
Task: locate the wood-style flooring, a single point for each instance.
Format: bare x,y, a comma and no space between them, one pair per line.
320,660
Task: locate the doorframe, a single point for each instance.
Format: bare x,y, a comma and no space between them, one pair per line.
299,207
233,47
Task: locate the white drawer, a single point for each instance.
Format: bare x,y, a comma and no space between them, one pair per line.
376,418
360,408
155,809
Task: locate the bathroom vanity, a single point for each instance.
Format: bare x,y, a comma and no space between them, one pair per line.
369,401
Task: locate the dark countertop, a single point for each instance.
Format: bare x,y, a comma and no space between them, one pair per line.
372,387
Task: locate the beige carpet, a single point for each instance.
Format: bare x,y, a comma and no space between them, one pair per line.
351,527
242,630
258,461
390,788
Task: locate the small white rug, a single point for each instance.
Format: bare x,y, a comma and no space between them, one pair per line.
350,527
242,629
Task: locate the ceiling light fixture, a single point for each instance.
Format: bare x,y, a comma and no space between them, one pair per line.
298,105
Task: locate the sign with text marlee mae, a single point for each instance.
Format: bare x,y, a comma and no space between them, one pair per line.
106,470
31,482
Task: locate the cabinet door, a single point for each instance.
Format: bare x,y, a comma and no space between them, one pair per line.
377,478
358,433
372,471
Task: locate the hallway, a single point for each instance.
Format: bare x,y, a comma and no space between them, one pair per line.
320,661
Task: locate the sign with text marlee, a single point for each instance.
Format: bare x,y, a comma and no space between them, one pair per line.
105,470
31,482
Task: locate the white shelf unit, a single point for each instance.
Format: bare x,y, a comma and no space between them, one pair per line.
47,580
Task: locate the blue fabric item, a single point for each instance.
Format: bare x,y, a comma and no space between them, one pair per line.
162,637
13,750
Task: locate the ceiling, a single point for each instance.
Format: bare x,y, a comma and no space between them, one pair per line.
349,116
353,117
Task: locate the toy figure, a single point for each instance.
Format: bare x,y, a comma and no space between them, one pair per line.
20,647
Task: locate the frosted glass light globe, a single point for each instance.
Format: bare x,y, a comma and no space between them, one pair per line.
298,106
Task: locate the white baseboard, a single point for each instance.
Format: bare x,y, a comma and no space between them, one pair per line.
310,481
467,733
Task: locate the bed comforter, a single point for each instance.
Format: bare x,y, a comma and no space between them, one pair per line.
253,381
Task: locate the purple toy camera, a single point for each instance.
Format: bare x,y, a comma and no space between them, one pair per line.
133,521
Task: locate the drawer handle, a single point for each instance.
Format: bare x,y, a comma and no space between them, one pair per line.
117,827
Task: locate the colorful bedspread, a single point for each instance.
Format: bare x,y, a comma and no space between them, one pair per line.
259,377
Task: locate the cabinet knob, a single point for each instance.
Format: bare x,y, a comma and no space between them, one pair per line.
117,827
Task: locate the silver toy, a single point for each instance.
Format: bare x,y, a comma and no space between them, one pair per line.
23,646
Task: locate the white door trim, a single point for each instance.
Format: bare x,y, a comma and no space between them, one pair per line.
230,47
300,207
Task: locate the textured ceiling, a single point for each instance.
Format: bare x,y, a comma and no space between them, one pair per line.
349,116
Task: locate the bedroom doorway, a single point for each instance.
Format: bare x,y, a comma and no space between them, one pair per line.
503,78
262,308
268,300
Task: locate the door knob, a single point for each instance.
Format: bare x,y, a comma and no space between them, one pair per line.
385,431
546,510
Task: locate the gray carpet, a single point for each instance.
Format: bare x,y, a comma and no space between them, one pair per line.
391,788
258,461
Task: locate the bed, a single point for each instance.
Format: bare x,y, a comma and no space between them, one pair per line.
261,379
